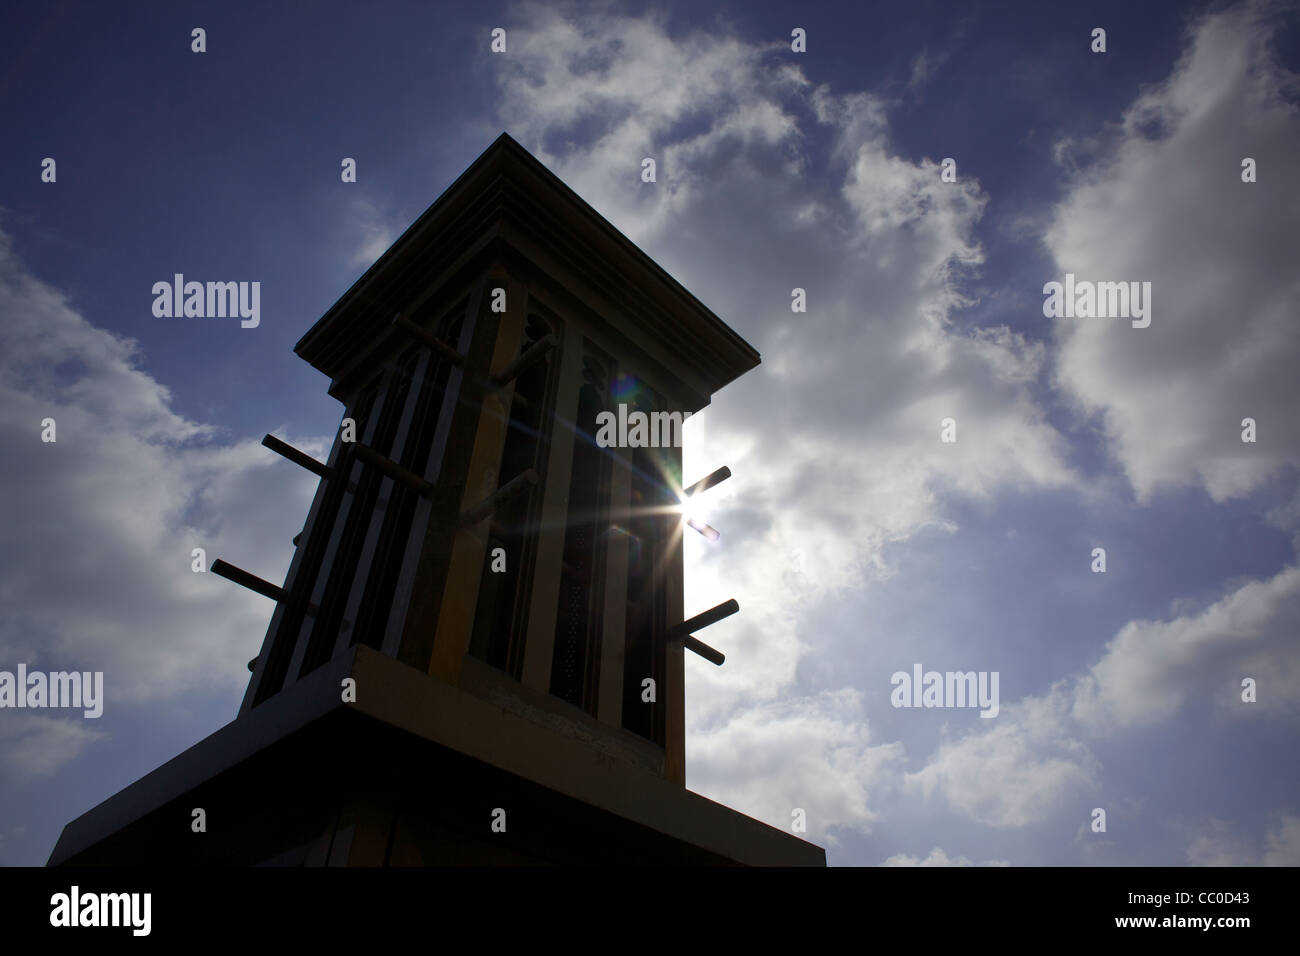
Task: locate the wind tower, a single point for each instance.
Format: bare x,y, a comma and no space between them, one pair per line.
477,653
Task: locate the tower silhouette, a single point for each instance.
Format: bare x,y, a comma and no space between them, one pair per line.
477,652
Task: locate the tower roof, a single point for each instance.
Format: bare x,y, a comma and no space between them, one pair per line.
508,203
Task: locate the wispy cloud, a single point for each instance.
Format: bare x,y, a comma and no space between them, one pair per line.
937,857
835,448
1219,844
35,746
374,230
95,548
1162,201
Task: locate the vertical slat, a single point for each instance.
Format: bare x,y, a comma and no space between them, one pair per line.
353,469
614,633
675,665
469,547
448,462
540,646
277,618
329,500
388,489
444,406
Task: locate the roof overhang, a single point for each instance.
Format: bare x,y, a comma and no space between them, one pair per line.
507,204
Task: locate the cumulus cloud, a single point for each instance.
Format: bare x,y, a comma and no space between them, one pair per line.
937,857
1038,753
33,746
767,183
812,754
1218,844
1164,202
95,548
1026,766
1152,668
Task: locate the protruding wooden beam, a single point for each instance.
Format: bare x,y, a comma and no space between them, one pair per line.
429,339
708,481
251,581
707,530
297,457
248,580
392,469
711,616
708,653
531,357
489,504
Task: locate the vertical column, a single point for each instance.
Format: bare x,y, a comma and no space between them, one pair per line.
469,545
355,512
675,665
445,469
609,701
388,490
351,475
540,647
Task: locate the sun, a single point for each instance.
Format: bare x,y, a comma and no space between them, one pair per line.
693,517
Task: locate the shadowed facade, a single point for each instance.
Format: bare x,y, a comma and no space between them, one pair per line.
477,653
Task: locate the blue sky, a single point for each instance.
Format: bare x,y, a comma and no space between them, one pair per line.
856,542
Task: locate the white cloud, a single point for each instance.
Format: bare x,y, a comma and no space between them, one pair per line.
1037,753
1164,203
937,857
1152,668
1219,845
813,754
1016,773
374,231
95,548
835,451
34,746
1282,846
